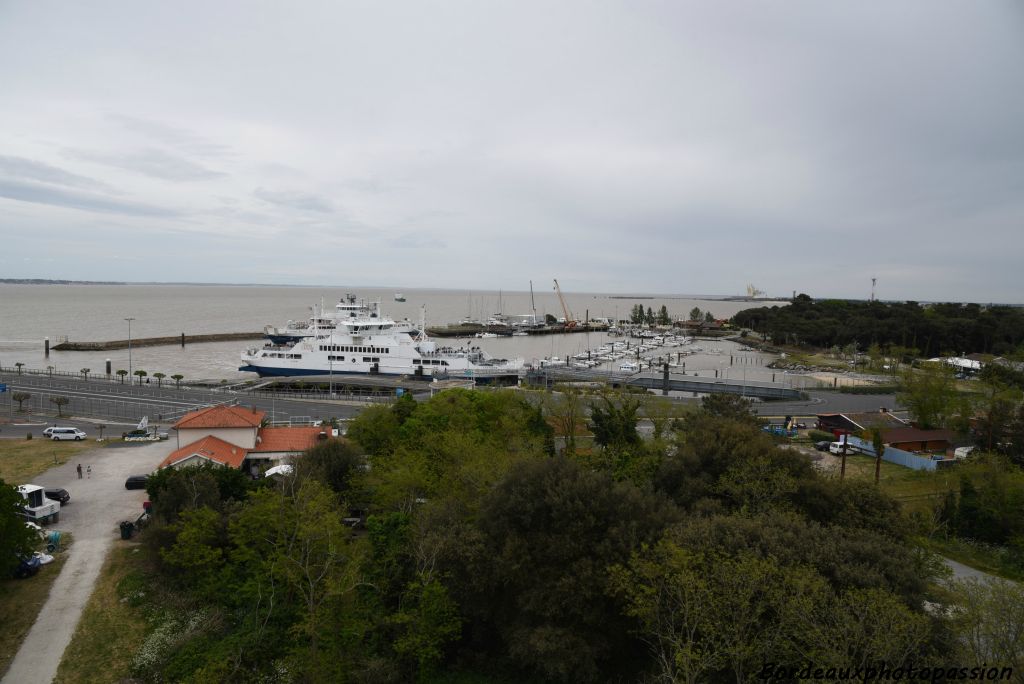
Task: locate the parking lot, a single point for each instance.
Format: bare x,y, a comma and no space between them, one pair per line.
99,501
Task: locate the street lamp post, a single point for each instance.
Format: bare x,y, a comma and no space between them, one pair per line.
130,319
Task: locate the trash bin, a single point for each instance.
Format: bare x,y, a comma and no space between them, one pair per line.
127,529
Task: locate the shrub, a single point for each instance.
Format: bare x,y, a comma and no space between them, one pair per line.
820,436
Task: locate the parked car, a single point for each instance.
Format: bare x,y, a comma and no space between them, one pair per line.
62,433
837,448
136,482
58,495
822,446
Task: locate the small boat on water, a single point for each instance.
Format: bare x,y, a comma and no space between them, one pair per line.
399,297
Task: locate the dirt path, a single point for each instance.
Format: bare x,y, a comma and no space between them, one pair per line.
98,503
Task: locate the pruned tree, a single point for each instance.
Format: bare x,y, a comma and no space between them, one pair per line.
177,378
21,397
159,378
60,403
141,374
121,372
85,373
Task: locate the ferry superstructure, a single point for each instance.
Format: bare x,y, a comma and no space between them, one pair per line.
325,320
363,341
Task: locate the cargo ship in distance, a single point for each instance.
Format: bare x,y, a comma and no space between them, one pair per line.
365,341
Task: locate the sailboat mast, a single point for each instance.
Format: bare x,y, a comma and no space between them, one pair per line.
533,304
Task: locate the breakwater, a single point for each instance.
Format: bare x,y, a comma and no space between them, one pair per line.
182,339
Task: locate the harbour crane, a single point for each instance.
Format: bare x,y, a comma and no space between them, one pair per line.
569,321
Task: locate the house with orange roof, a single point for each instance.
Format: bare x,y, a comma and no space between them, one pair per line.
231,436
237,425
209,449
275,445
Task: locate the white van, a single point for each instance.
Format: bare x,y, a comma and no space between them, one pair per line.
837,448
63,433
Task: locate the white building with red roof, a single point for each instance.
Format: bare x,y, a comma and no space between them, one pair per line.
235,424
209,449
232,436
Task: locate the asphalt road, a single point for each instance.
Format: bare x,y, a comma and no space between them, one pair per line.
119,404
828,402
98,504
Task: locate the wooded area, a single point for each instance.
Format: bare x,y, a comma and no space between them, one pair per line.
930,330
696,556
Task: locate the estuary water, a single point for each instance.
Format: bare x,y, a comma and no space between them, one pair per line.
89,313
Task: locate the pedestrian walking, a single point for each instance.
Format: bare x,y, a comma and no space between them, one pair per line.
88,472
79,471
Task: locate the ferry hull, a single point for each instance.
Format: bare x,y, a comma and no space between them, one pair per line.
480,378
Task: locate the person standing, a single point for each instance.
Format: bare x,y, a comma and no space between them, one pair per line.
79,471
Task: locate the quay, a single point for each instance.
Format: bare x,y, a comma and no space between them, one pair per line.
182,339
470,329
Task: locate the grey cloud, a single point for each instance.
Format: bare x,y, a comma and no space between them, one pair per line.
152,162
40,194
29,169
295,200
416,241
178,138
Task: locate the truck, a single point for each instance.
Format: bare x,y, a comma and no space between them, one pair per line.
37,508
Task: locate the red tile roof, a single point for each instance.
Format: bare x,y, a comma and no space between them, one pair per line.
287,438
221,417
211,448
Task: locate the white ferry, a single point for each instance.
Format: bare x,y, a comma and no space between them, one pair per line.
366,342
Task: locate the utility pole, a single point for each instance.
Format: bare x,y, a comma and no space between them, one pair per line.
842,468
130,319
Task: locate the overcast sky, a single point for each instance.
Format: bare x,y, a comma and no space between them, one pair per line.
664,147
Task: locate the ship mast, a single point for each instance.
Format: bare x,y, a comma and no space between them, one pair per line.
533,304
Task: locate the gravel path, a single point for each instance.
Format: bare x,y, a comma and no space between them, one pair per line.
97,505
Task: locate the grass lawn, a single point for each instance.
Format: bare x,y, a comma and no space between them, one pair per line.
20,603
915,489
110,631
23,459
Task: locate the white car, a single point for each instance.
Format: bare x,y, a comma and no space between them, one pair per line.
63,433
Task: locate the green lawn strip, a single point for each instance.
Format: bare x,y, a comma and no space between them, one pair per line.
110,630
23,460
915,489
22,599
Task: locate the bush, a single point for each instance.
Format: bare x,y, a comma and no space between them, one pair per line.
820,436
